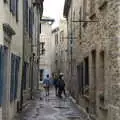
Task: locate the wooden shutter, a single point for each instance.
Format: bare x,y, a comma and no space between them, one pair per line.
17,5
26,13
13,7
17,59
1,74
30,22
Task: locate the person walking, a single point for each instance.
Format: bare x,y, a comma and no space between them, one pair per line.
61,86
55,83
46,84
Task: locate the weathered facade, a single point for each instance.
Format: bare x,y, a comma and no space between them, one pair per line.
46,47
55,38
93,56
60,49
32,14
11,42
16,28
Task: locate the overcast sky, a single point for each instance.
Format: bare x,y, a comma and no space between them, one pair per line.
54,9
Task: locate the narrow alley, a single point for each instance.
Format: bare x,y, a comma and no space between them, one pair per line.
73,45
51,108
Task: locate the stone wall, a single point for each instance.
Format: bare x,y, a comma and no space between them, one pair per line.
99,42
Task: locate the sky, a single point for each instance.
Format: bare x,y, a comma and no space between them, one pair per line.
54,9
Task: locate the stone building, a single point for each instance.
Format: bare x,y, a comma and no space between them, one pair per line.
62,46
11,42
30,76
60,50
46,47
15,51
93,56
55,38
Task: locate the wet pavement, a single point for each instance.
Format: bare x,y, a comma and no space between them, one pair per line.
51,108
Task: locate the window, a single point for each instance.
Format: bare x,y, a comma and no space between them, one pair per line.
62,36
1,73
42,49
80,78
86,72
15,61
92,7
17,10
84,9
56,39
80,17
13,7
41,74
26,14
93,71
30,22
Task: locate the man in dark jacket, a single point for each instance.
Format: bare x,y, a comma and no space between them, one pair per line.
61,86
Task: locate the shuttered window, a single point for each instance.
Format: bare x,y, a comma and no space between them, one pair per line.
1,74
26,13
14,4
13,7
17,10
30,22
16,75
15,61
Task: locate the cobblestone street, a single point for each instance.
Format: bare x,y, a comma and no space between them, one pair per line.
51,108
